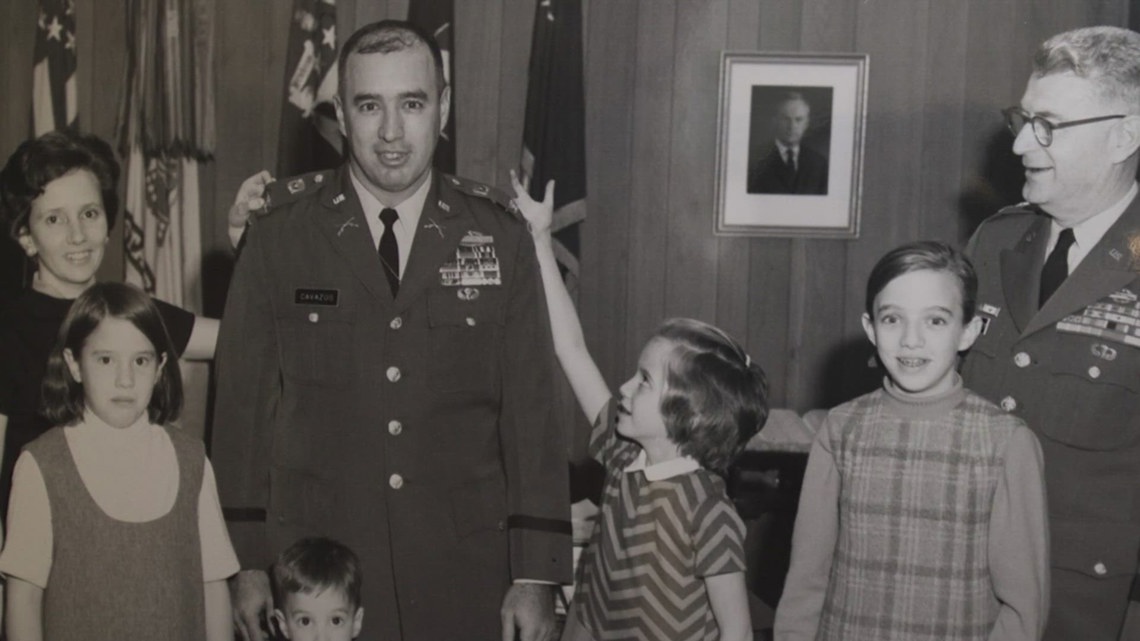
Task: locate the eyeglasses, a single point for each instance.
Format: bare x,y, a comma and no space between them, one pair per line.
1016,118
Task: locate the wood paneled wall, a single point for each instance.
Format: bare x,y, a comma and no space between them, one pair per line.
936,161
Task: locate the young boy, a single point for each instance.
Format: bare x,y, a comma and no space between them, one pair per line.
316,588
922,514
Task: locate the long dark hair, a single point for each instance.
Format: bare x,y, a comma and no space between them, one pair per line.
63,395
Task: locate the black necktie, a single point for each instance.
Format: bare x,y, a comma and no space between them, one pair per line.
790,161
389,251
1056,268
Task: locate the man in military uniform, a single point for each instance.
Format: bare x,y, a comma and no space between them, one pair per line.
384,379
1059,286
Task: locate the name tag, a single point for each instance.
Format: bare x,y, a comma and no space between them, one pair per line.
327,297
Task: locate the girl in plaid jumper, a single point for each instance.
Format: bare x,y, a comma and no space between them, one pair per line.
666,559
923,509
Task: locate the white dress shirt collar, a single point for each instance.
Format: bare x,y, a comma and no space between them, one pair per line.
664,469
410,211
784,150
1089,231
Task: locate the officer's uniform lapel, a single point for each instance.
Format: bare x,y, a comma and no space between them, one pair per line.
346,229
1110,265
1021,272
442,225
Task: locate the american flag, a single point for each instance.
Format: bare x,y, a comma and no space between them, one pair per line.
166,130
554,134
53,83
437,17
310,139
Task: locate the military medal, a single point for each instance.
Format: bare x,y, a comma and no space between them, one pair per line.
1116,319
475,263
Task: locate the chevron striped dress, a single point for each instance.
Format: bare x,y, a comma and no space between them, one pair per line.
656,539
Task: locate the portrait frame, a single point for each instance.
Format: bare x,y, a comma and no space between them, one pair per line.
756,90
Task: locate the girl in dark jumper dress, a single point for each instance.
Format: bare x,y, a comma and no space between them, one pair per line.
58,200
115,531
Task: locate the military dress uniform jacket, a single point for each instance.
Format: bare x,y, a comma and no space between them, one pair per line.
417,430
1072,372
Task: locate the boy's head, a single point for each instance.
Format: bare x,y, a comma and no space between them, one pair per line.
702,387
316,590
920,314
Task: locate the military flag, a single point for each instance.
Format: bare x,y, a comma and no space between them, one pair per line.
53,77
310,139
166,132
437,17
166,129
554,134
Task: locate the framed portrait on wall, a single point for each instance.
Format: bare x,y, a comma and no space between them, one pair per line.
790,144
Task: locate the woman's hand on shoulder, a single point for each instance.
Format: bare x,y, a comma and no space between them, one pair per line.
250,197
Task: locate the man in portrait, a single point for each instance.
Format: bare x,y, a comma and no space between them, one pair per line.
781,164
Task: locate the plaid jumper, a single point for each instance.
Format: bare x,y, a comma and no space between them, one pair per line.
922,487
642,576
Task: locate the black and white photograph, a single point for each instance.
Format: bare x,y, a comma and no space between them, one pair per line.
569,320
790,134
789,140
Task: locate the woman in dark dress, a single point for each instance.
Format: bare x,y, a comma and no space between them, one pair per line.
58,200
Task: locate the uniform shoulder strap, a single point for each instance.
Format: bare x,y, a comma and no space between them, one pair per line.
480,190
1020,208
289,190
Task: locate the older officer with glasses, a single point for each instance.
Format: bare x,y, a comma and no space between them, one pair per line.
1060,299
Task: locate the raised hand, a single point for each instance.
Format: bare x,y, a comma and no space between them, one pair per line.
538,215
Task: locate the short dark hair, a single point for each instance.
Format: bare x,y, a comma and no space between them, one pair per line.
922,255
387,36
63,396
716,396
1107,56
37,162
314,564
